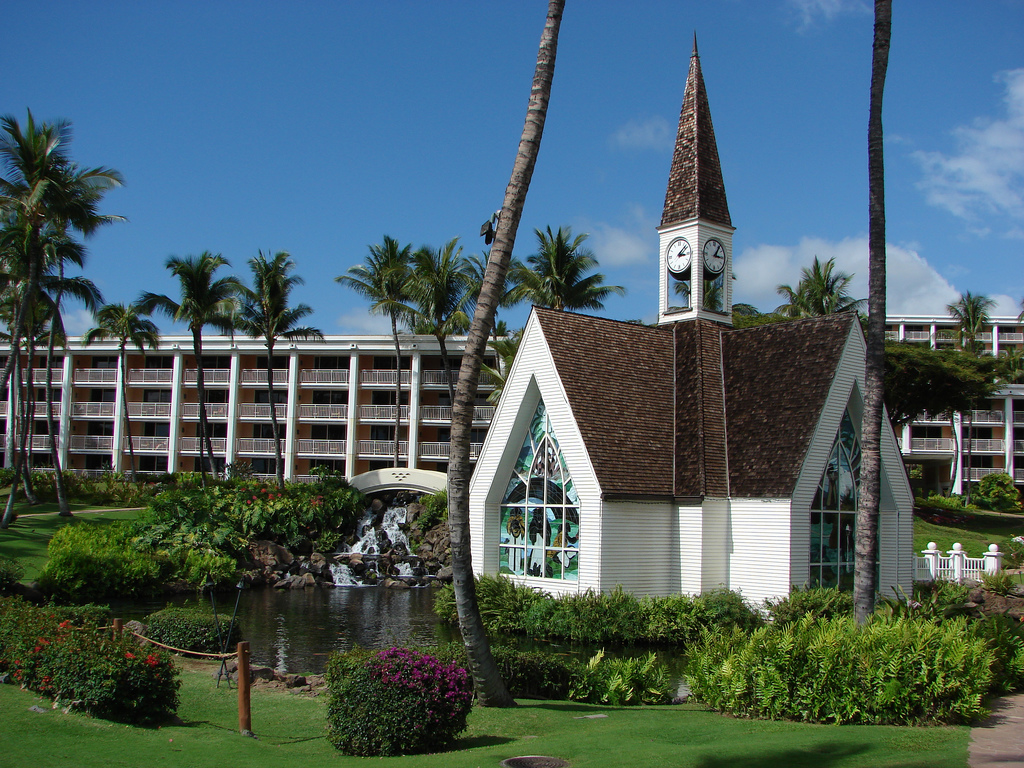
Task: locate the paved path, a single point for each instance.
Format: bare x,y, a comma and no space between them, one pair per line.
999,740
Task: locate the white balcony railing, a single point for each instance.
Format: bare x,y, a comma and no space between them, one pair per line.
338,412
39,376
443,413
213,410
95,376
92,410
191,445
262,446
260,410
932,418
382,448
323,447
373,377
149,410
42,442
211,376
255,376
1011,338
917,336
976,473
1018,446
323,376
926,444
91,443
147,444
988,446
892,335
1018,417
987,417
1018,475
150,376
382,412
443,450
440,378
39,408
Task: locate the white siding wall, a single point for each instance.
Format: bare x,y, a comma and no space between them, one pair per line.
533,377
714,567
640,550
896,522
691,549
761,556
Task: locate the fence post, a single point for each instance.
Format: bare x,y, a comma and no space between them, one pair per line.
993,559
931,556
244,708
956,562
118,628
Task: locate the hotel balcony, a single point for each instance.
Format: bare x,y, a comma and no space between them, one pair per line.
1018,416
257,377
976,473
324,377
1018,446
256,446
987,417
190,445
382,448
91,443
917,336
92,410
337,412
931,444
987,446
260,411
146,444
95,376
40,409
932,418
1018,475
439,379
56,376
442,414
1011,338
213,377
443,450
944,337
892,335
324,448
382,378
146,376
382,413
213,411
42,442
149,410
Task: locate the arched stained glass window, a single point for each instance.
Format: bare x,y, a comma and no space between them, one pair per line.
834,512
540,514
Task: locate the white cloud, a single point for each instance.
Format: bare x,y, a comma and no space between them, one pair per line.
360,321
985,177
622,246
810,11
650,133
913,286
78,321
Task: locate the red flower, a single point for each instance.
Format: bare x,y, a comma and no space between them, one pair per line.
152,660
129,655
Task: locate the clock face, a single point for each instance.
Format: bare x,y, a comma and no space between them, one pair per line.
714,256
678,254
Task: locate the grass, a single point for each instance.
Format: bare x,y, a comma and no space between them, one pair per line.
27,538
976,531
290,730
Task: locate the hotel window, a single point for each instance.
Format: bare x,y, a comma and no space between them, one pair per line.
834,512
540,521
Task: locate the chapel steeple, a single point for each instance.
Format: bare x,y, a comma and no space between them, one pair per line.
696,229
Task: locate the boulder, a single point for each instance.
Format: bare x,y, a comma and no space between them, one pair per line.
444,575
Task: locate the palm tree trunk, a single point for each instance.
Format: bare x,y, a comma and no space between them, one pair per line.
27,421
866,568
273,414
490,688
21,315
123,362
956,454
58,476
969,445
9,509
205,444
398,391
447,369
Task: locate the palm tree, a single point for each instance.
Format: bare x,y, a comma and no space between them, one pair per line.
265,314
821,291
971,314
128,324
438,290
506,346
382,278
204,301
865,583
557,275
42,187
476,266
490,689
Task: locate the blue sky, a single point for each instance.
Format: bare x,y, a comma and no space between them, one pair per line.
318,127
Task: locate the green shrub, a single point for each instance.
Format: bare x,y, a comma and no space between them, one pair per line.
527,674
622,682
89,562
435,509
502,602
820,602
10,572
954,502
902,671
83,667
395,702
997,491
932,601
1001,583
191,629
1005,639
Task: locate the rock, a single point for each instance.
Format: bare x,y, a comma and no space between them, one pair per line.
303,546
32,591
377,505
268,553
294,681
445,574
138,628
308,580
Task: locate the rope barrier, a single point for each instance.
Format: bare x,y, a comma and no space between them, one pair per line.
182,650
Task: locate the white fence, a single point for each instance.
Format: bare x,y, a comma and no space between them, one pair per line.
955,565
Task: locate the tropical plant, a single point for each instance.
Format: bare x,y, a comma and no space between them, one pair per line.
822,290
558,275
204,301
971,314
505,347
438,291
490,689
383,278
127,323
476,266
266,315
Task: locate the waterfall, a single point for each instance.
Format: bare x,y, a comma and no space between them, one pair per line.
343,576
378,552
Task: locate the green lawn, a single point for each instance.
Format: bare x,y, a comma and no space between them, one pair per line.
976,532
290,731
26,540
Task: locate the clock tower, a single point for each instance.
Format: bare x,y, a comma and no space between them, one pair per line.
695,250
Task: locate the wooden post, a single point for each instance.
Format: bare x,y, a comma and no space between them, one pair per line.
118,628
244,708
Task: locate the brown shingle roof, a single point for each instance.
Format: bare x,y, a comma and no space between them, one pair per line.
695,185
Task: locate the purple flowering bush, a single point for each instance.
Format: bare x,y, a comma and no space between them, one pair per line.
395,702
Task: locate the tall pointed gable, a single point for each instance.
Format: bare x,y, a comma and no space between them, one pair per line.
695,186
